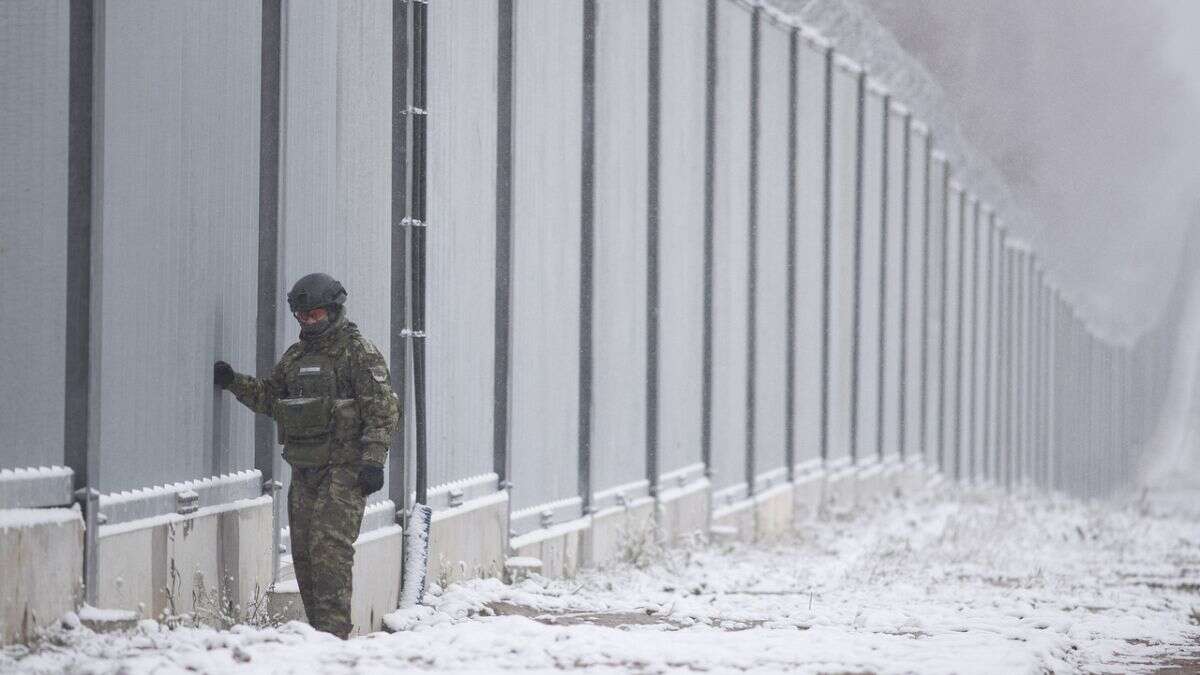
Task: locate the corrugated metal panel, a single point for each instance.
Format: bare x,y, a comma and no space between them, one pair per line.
547,122
869,280
771,306
951,335
810,251
841,256
681,233
731,229
335,213
915,273
934,311
461,238
893,289
619,313
175,239
33,230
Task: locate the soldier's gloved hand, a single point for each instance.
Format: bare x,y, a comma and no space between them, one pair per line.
370,479
222,374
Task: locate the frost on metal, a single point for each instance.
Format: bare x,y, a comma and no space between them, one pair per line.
416,556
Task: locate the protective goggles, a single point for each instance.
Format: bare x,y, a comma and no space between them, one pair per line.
311,316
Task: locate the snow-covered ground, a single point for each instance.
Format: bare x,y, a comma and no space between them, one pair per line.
952,581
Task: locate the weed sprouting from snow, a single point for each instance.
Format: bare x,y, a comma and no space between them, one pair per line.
218,608
640,543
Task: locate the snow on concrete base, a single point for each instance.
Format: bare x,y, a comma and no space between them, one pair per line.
870,484
41,567
468,541
947,581
913,475
376,578
683,513
376,583
619,531
558,547
157,565
838,489
737,518
774,513
807,491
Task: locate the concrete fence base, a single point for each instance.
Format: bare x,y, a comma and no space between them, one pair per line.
41,555
166,564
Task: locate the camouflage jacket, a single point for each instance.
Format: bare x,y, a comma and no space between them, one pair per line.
360,374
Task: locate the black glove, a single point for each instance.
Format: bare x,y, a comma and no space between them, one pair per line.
222,374
370,479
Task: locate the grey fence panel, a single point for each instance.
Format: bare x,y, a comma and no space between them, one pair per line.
810,253
952,351
917,275
33,230
336,154
681,235
174,239
461,238
894,291
841,272
731,230
967,334
547,127
868,282
771,286
619,316
935,312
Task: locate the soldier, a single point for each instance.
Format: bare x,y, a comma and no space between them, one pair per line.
335,413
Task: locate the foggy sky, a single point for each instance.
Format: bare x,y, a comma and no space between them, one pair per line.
1091,111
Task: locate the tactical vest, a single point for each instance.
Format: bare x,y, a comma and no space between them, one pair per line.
313,420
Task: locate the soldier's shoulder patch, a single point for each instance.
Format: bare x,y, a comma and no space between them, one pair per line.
367,347
379,374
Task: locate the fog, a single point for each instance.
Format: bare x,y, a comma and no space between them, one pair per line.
1090,112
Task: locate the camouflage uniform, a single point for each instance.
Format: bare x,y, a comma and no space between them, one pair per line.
325,502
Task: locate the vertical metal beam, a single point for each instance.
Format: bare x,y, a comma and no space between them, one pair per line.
881,370
959,334
752,253
856,347
905,187
653,147
942,370
417,242
501,461
265,456
710,136
268,226
925,271
826,253
789,443
85,88
397,343
989,373
972,367
587,233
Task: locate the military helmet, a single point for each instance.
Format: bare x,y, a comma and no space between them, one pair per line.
316,290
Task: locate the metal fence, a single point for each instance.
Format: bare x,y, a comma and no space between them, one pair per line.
666,239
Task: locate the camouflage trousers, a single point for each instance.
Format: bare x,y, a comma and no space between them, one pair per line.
325,510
